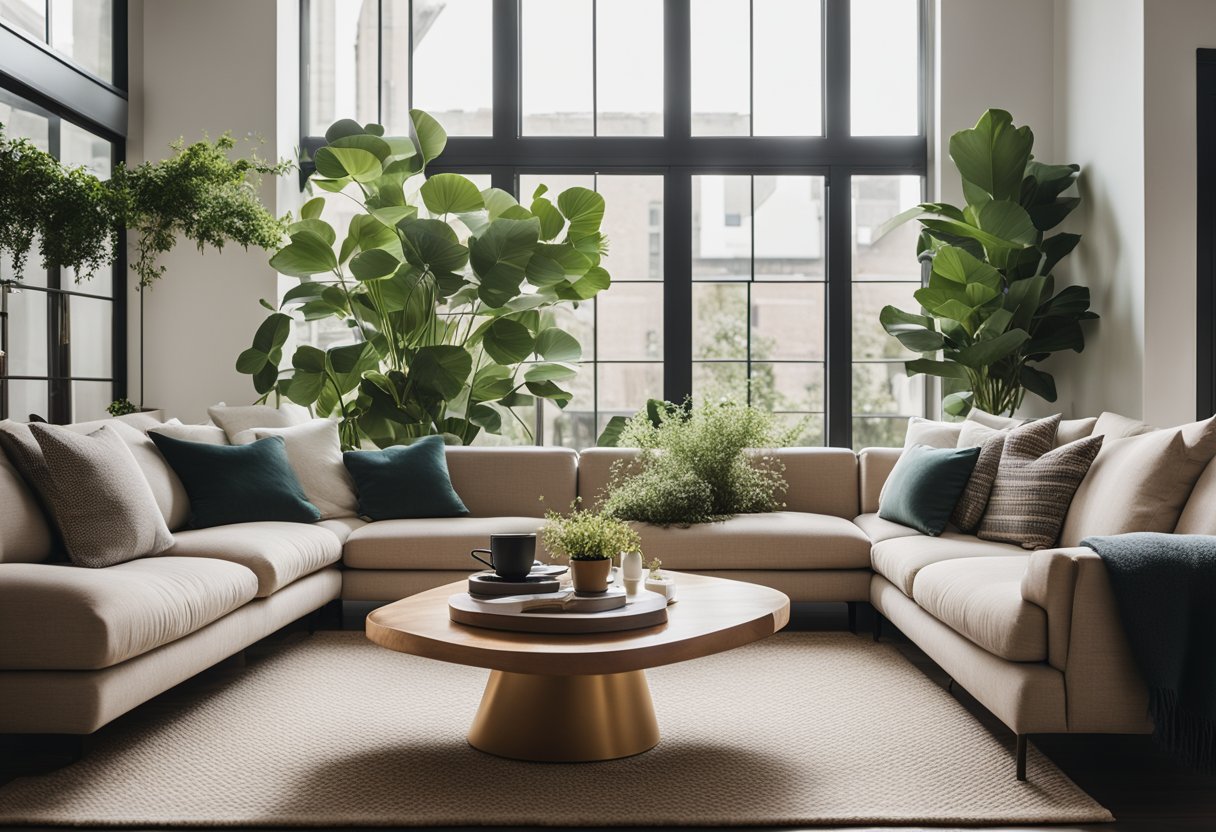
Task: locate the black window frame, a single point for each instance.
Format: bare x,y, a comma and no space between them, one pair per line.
63,91
678,155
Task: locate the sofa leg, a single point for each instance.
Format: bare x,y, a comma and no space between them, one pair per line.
877,626
950,685
852,606
1021,755
24,755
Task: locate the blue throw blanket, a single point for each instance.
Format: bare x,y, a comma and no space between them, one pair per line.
1165,590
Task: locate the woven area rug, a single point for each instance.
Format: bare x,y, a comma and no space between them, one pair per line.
800,729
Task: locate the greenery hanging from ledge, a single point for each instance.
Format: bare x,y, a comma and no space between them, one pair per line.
199,193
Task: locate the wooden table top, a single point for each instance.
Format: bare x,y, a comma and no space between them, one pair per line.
710,615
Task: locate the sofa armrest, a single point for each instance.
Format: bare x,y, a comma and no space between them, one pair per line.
876,465
1105,692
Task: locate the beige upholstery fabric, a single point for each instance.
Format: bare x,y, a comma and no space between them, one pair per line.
595,472
878,529
821,480
969,510
314,452
237,419
1140,483
25,536
72,702
1113,426
1027,696
991,420
874,466
929,432
101,501
430,543
976,434
395,584
1199,514
166,487
61,617
502,482
1071,430
342,527
277,553
1050,581
211,434
141,422
778,540
981,599
901,559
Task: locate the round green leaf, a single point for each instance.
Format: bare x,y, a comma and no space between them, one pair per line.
583,208
373,264
338,162
311,210
432,138
319,227
307,254
343,127
554,344
432,245
507,341
374,145
450,193
441,369
550,372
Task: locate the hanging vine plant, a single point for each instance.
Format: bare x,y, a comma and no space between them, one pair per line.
199,193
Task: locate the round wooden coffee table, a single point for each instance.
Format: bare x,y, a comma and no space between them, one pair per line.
578,698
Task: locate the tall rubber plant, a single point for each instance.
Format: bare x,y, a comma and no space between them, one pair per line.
448,294
992,312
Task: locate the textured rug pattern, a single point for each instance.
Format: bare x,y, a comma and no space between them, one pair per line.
800,729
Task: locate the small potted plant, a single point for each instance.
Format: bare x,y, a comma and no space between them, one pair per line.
590,540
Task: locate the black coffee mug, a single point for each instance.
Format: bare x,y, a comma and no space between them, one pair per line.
511,555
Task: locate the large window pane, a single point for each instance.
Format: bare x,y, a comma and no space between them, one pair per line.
885,389
623,389
719,381
342,37
788,387
395,66
92,355
629,68
786,85
574,426
789,227
90,399
629,320
719,320
787,321
721,68
78,146
28,16
870,340
879,432
557,98
83,30
453,64
27,333
721,227
877,199
633,223
28,397
884,48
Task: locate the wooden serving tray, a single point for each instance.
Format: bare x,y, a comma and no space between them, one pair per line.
646,609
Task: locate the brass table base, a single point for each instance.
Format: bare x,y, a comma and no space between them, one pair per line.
565,719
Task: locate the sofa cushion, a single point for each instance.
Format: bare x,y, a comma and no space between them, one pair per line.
925,485
429,543
25,535
404,482
879,530
207,434
934,434
1071,430
1140,483
1199,514
342,527
70,618
973,502
102,503
1113,426
238,419
981,599
775,540
315,453
491,481
277,553
901,559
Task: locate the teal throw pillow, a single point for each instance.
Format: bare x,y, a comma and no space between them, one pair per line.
237,483
925,485
407,481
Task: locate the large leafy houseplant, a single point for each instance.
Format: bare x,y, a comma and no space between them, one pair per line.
448,335
993,312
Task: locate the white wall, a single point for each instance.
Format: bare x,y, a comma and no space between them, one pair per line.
1099,124
206,68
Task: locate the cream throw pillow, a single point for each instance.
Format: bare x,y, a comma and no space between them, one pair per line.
315,454
211,434
989,420
237,420
1113,426
1140,483
931,433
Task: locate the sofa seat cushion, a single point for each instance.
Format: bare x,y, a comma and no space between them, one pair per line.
981,599
900,559
429,543
879,530
776,540
343,527
276,552
63,617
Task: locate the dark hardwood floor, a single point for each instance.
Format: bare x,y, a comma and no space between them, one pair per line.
1142,786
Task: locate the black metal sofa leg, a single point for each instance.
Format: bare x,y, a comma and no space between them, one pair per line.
877,625
1021,755
852,606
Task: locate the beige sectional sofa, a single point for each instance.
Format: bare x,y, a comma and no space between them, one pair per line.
1033,636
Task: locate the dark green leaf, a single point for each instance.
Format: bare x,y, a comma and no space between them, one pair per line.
551,220
554,344
993,154
941,369
432,245
1038,382
549,390
507,341
500,257
550,372
374,264
342,128
986,353
441,369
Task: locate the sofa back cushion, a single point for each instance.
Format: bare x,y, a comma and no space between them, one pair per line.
25,536
510,481
1199,513
1140,483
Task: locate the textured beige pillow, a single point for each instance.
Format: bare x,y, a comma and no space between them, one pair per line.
315,454
1113,426
239,419
102,504
1140,483
931,433
1034,485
